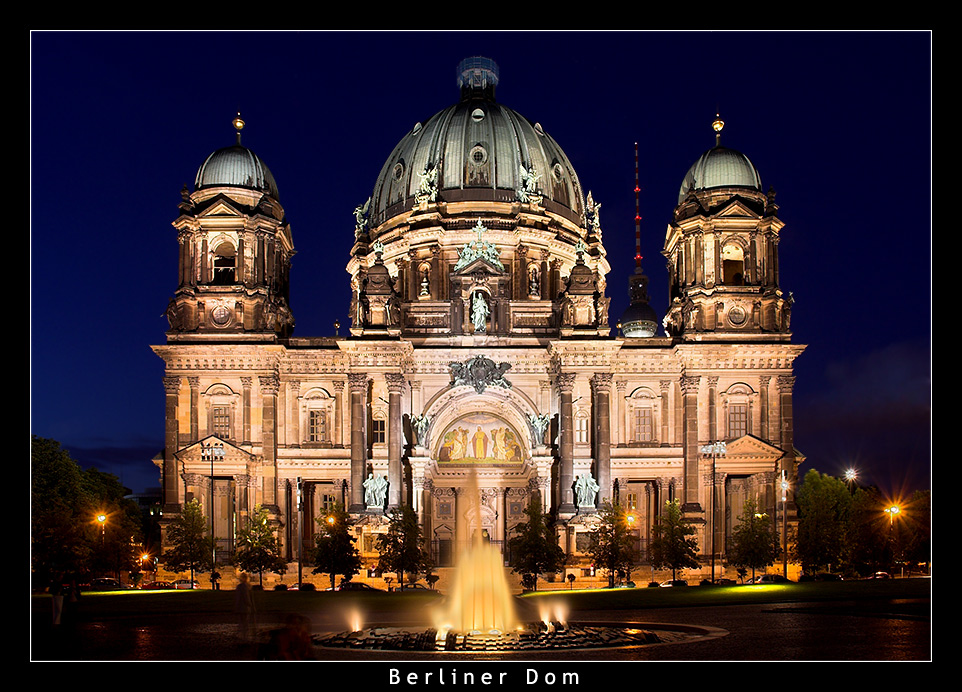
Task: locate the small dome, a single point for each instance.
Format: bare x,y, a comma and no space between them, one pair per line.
720,167
236,166
477,150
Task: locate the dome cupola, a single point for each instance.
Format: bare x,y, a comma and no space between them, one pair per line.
720,167
236,166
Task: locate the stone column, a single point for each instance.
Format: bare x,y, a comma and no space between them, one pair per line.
338,387
566,383
763,402
665,387
194,383
358,386
395,387
246,410
712,409
621,420
269,387
601,405
295,436
785,384
689,388
171,498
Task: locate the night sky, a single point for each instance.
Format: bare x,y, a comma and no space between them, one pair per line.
838,123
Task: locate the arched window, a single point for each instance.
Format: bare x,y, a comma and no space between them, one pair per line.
641,412
733,264
581,427
224,264
221,403
316,410
738,410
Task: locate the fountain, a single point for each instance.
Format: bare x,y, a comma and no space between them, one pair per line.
480,616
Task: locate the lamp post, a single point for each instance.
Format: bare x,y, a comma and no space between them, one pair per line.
714,450
784,486
213,451
300,534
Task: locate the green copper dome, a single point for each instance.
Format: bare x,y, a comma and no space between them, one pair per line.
720,167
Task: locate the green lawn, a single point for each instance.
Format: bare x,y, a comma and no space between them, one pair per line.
120,603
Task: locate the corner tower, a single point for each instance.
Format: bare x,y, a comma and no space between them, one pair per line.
722,250
234,253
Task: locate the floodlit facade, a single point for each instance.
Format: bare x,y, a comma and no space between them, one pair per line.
481,369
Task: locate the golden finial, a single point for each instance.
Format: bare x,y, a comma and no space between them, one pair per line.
717,125
238,124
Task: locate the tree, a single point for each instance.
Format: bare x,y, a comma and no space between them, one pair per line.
824,514
401,548
258,549
612,545
754,541
191,549
534,549
61,532
122,532
334,550
673,544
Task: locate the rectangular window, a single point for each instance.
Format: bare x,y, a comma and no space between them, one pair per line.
220,421
581,429
643,429
737,420
317,426
378,432
631,501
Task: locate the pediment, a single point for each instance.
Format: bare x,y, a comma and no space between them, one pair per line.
221,205
213,449
751,446
736,208
481,264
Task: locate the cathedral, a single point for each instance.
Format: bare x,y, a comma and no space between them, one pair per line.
482,369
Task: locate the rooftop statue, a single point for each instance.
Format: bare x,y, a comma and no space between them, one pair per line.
478,249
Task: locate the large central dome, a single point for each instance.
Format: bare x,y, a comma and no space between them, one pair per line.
479,150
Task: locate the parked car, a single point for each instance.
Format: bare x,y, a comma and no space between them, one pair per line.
106,584
674,582
158,585
186,584
769,579
881,575
356,586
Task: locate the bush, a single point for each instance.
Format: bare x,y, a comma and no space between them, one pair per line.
308,587
280,587
653,583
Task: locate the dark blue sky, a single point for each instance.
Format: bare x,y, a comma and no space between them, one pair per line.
839,123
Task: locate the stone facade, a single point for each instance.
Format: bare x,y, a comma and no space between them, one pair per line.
481,369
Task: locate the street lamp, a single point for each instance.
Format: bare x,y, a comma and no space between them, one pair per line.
102,520
714,450
851,475
893,512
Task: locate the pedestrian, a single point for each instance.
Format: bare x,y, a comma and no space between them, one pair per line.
56,596
244,607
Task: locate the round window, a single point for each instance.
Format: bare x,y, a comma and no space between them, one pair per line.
737,316
221,315
478,155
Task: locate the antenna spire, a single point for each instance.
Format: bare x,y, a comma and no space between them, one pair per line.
637,215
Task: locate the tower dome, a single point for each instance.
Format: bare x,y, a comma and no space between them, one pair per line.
476,150
720,167
236,166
